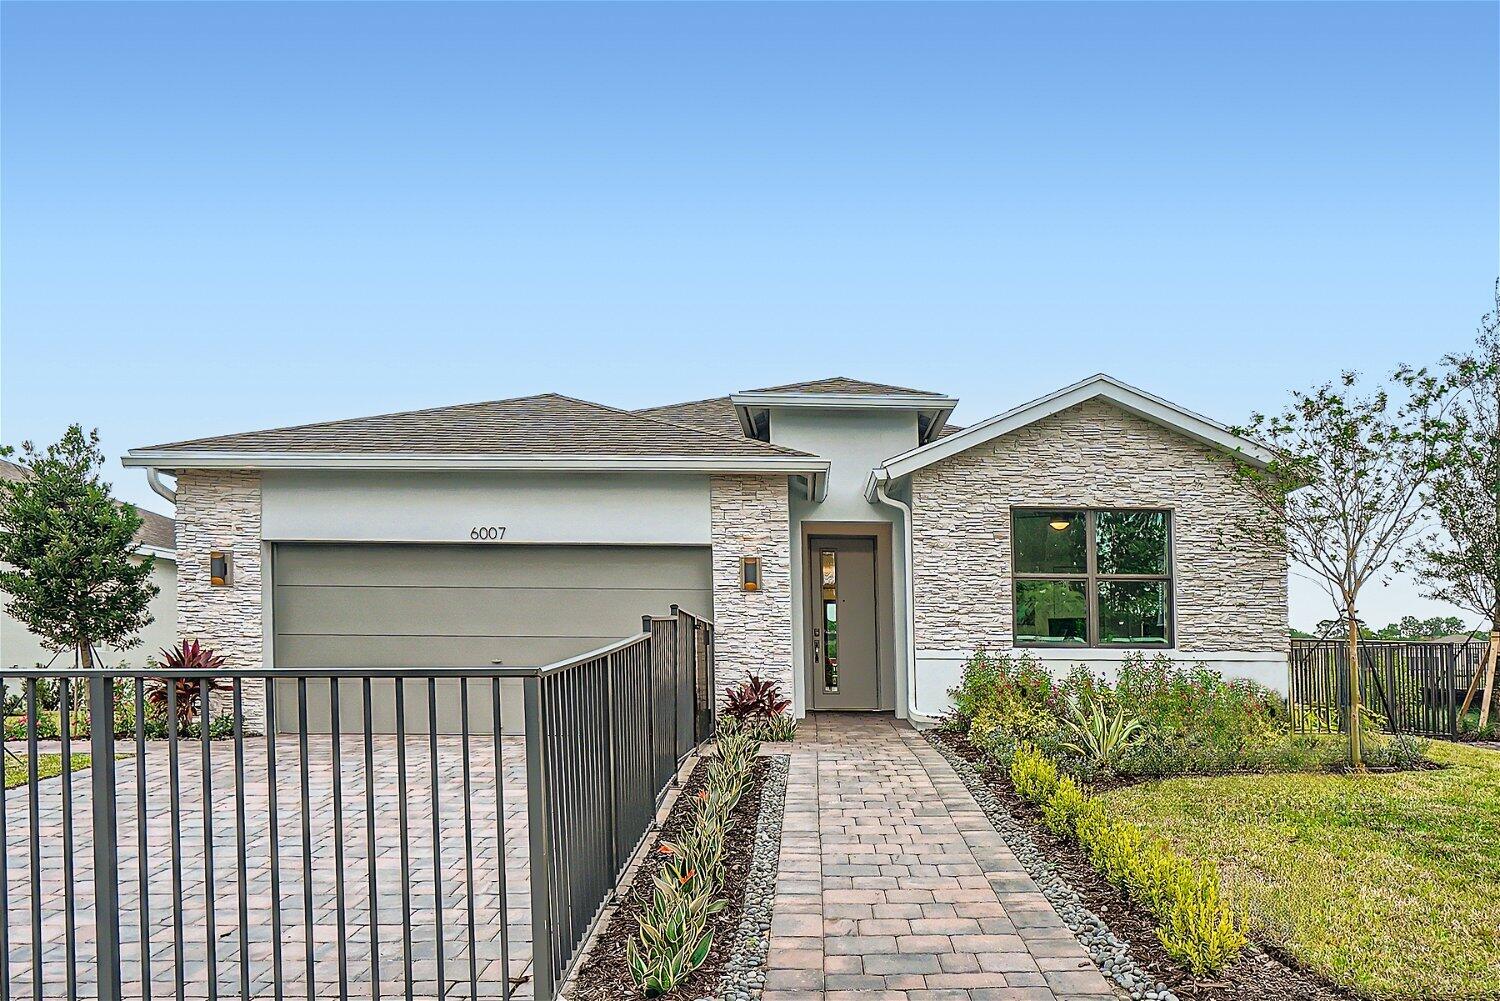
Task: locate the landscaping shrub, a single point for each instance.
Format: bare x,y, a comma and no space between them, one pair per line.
1156,719
672,938
757,705
1197,928
1034,775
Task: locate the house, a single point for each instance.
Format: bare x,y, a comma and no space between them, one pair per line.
156,537
845,538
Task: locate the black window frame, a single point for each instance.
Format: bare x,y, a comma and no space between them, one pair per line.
1091,577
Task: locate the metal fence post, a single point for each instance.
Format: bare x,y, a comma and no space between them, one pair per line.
539,822
106,852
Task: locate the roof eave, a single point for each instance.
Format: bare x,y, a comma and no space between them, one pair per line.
845,401
169,460
1128,398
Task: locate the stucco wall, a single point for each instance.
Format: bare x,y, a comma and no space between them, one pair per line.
853,442
221,510
1231,599
444,506
752,629
20,648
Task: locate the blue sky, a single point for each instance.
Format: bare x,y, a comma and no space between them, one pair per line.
219,217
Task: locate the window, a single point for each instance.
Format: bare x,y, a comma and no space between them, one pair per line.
1092,578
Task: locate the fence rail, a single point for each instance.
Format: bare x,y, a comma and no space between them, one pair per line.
227,854
1414,687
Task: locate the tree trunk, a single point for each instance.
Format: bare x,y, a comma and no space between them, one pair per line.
1356,756
86,656
1489,684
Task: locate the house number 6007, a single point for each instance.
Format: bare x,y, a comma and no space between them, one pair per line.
487,533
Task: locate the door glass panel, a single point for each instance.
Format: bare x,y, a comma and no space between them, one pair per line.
829,570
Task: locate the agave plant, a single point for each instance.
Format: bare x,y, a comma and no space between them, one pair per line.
1100,737
192,693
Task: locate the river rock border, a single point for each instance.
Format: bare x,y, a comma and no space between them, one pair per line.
744,977
1110,953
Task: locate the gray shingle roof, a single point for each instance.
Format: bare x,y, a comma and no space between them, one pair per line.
156,529
544,425
844,384
717,414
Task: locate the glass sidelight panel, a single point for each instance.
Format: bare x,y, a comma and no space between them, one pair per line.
828,564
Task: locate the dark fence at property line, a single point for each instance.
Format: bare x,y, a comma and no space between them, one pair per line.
224,857
1414,687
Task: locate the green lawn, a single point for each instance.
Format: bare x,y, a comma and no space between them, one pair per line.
47,766
1388,884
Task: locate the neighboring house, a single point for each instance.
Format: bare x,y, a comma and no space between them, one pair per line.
883,545
157,537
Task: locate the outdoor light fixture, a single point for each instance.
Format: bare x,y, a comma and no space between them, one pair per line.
220,568
749,573
1059,524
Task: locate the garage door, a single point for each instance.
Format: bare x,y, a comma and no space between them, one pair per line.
467,606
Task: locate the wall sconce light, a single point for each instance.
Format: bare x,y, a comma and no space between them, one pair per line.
749,573
220,568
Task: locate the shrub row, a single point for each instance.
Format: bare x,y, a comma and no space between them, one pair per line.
1156,718
673,938
1197,927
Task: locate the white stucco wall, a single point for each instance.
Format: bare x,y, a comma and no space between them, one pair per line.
19,648
415,506
854,442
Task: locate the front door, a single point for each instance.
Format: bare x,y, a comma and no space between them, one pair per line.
844,654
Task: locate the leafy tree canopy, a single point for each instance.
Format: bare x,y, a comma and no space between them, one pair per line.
70,571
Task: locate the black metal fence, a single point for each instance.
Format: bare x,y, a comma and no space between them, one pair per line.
1412,687
223,856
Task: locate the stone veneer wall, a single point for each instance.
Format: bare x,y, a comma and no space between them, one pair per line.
1230,588
752,629
221,510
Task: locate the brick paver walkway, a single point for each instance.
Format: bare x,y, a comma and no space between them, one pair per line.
894,886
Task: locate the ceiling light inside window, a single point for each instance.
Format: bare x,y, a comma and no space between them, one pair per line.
1059,524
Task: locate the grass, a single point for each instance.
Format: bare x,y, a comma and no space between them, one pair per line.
47,766
1386,884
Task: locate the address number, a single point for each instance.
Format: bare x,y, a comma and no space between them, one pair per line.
487,533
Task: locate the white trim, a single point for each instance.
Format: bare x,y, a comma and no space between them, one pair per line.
845,401
1136,401
158,552
172,459
1113,655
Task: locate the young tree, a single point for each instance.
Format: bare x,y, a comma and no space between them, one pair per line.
68,551
1461,563
1344,490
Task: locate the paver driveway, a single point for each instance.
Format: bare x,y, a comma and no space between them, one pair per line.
392,877
894,886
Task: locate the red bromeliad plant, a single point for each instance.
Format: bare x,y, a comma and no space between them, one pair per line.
755,698
191,692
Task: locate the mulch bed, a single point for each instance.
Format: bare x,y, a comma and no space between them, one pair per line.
1263,972
605,974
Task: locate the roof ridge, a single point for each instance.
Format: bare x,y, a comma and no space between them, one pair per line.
688,427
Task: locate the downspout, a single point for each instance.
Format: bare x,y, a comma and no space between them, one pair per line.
879,482
153,478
